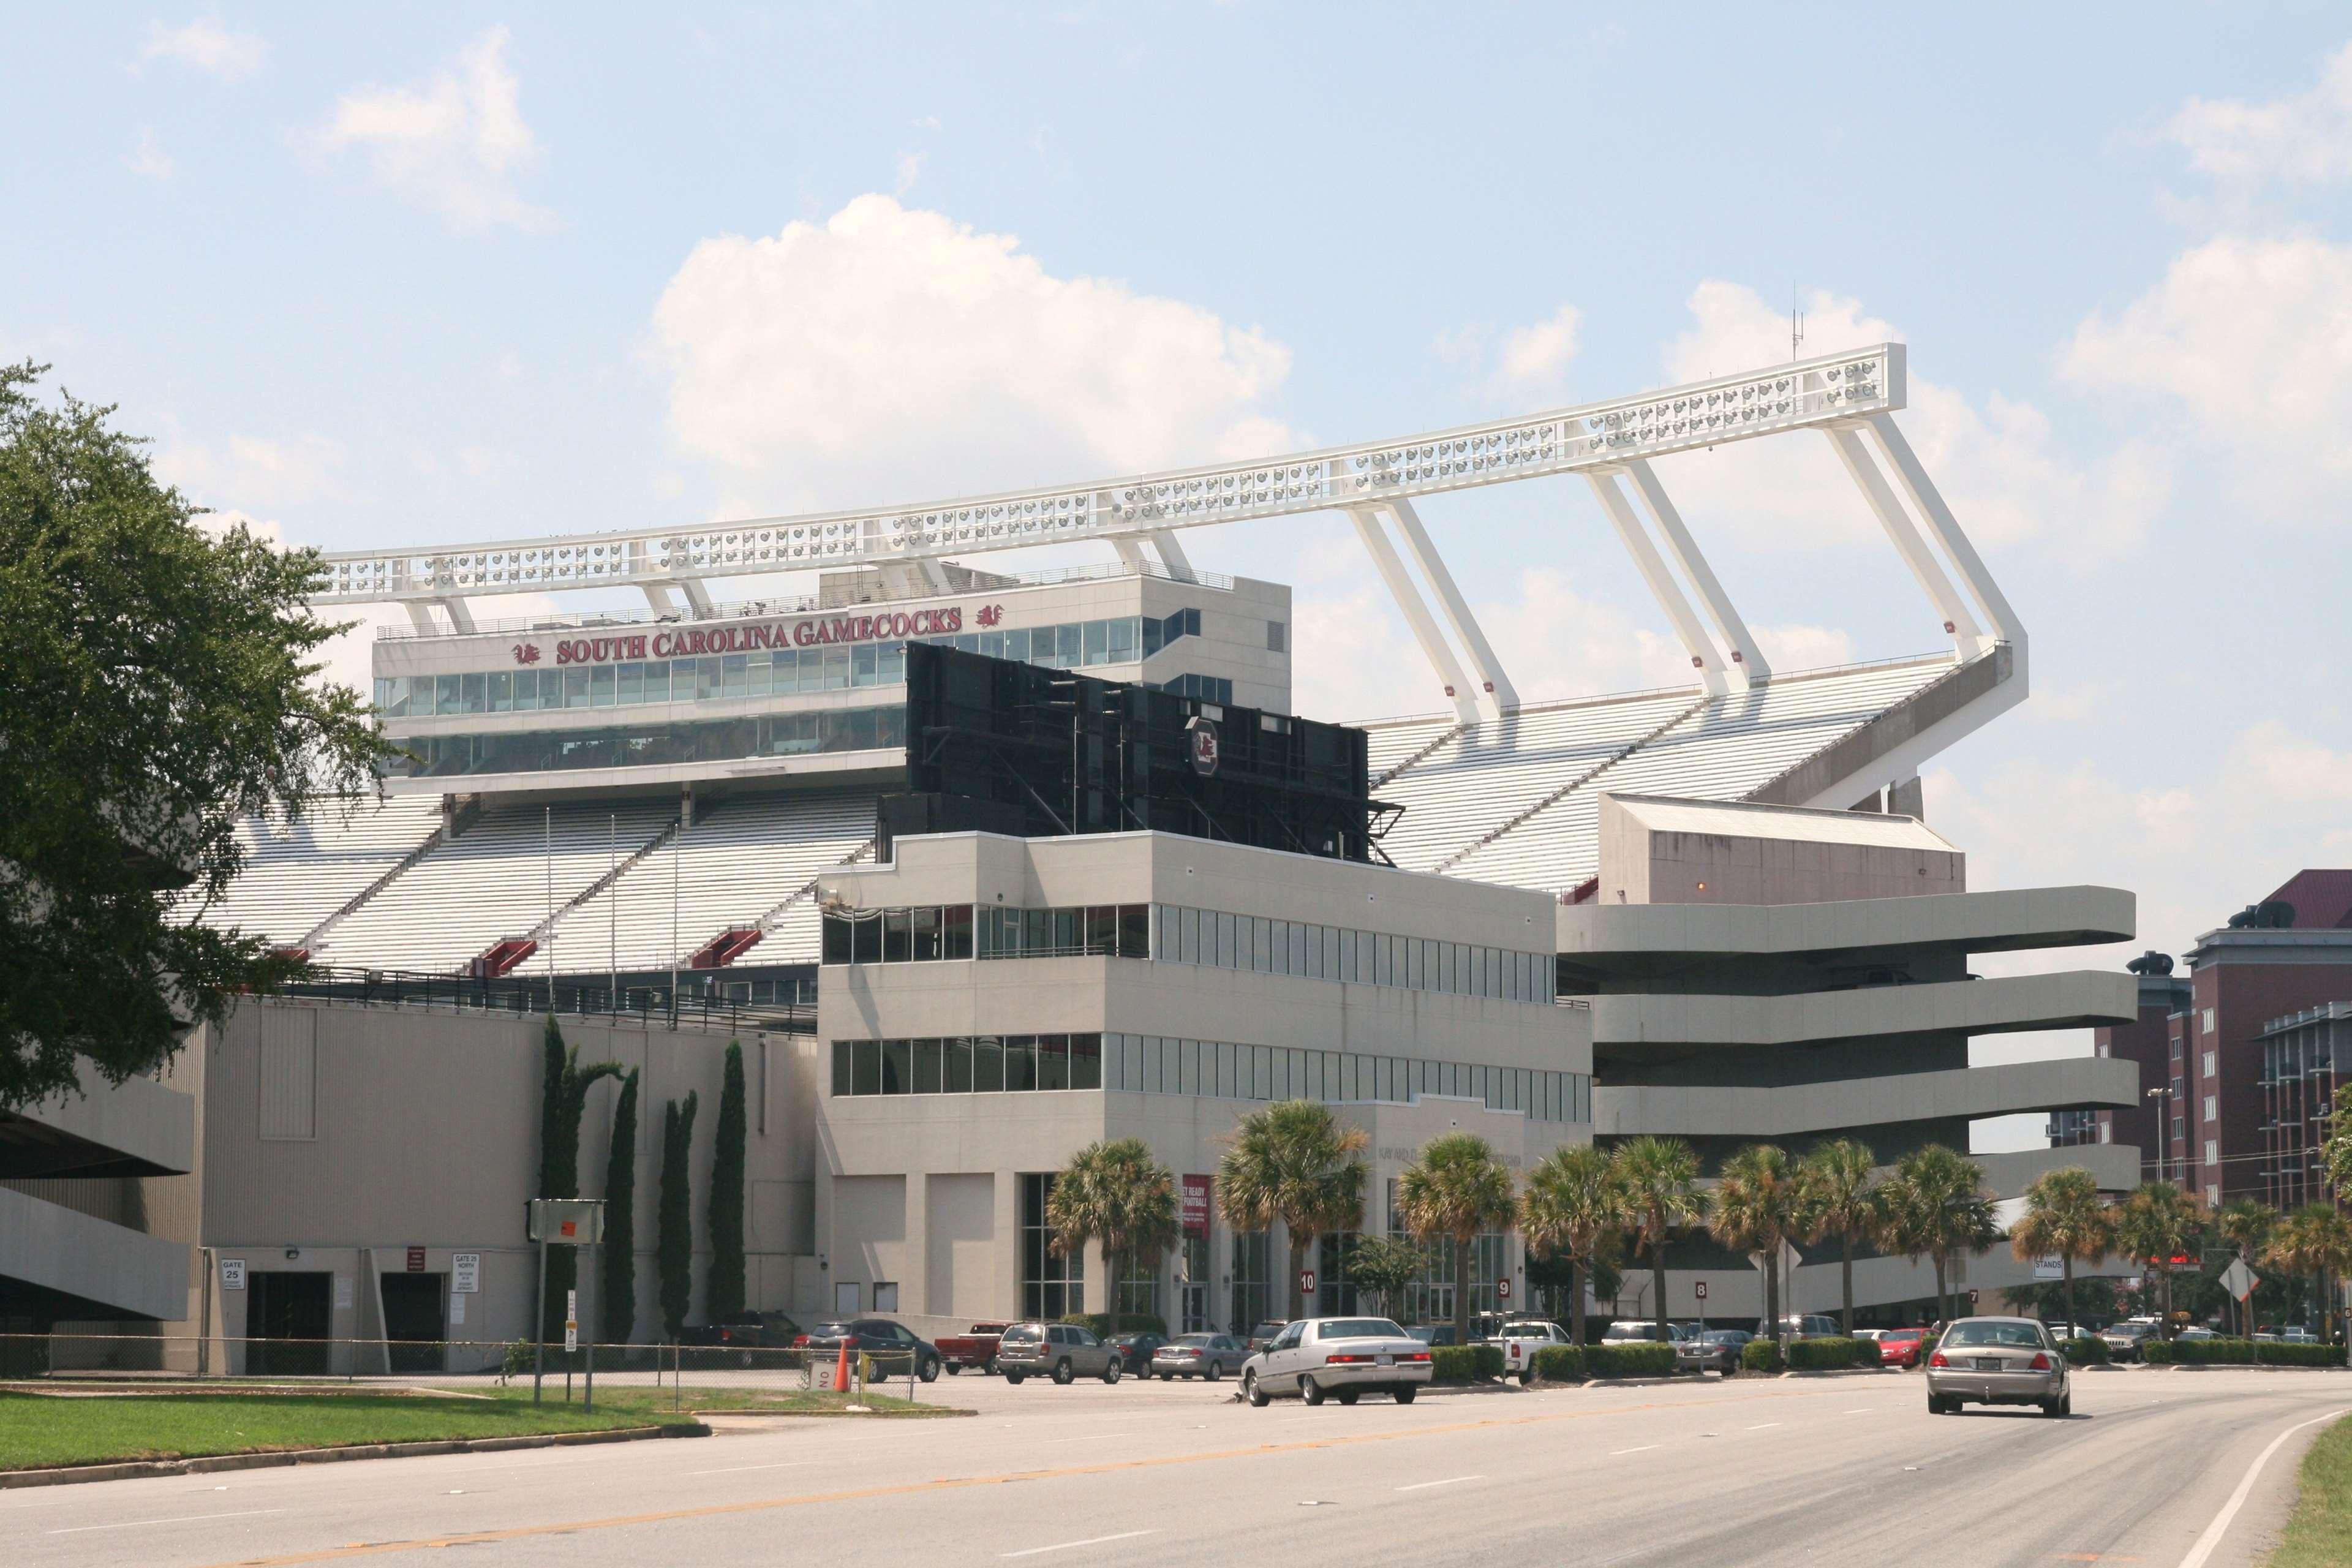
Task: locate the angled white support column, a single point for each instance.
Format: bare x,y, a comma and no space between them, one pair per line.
1967,636
461,619
697,597
1749,665
1131,553
1407,598
1941,521
420,615
1495,690
1171,554
658,597
1704,657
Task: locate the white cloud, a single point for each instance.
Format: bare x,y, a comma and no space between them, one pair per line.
147,156
206,45
2251,339
454,144
251,471
894,354
1795,646
1998,464
910,169
2304,138
1536,355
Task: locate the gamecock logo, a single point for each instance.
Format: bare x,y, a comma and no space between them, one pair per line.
989,614
526,653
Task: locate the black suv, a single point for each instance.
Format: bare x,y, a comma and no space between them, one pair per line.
893,1346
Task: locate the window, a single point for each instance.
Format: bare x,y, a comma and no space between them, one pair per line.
845,1296
1253,1276
1052,1284
2211,1059
1275,636
2208,1020
2213,1195
2212,1108
886,1297
2212,1152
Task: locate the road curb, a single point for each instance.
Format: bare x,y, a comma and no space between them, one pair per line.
213,1464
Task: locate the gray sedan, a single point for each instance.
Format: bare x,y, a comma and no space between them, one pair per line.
1998,1360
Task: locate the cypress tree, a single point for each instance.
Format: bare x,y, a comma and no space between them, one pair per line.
674,1242
617,1292
564,1091
725,1214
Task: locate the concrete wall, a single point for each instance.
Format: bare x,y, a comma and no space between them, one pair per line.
1768,855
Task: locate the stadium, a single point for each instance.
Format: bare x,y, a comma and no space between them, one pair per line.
944,848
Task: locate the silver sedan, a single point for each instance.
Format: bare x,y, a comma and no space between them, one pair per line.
1341,1358
1998,1360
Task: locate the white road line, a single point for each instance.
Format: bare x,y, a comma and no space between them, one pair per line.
1761,1424
180,1519
1862,1410
732,1469
1091,1541
1088,1438
2221,1525
1642,1449
1449,1481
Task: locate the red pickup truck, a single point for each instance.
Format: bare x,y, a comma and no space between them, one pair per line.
976,1346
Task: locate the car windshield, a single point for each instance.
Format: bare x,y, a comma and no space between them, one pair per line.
1723,1336
1023,1332
2008,1336
1267,1330
1358,1329
1902,1333
830,1330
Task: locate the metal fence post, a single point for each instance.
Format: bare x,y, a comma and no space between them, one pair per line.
538,1327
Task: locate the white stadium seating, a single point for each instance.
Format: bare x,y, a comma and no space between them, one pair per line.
299,872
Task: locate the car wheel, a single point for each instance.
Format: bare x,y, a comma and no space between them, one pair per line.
1013,1380
1063,1372
954,1367
2050,1408
2066,1404
990,1367
1404,1395
1348,1395
929,1371
1527,1377
1111,1371
1310,1391
1253,1393
1216,1371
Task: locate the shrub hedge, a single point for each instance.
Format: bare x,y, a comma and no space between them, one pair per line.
1642,1358
2240,1353
1831,1352
1761,1355
1927,1347
1465,1363
2087,1349
1128,1323
1560,1364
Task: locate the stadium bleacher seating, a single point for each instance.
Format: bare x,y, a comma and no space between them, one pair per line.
299,872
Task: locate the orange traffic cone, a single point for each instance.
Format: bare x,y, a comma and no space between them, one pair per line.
841,1370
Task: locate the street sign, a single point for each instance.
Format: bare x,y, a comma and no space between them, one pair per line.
465,1273
1502,1290
2238,1280
572,1319
1972,1295
1701,1288
416,1260
232,1273
567,1222
2049,1266
1307,1281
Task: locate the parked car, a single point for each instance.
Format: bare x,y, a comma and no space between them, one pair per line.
893,1346
1063,1351
1338,1358
1625,1331
1135,1352
1433,1334
1803,1326
1869,1335
741,1334
1900,1347
1520,1340
1998,1360
1718,1348
2196,1334
1199,1355
2128,1340
976,1346
2297,1335
1265,1333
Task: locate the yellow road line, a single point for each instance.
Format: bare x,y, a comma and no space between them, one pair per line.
946,1483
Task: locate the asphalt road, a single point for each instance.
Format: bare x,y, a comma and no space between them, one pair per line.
1847,1470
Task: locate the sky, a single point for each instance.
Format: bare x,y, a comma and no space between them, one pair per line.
461,274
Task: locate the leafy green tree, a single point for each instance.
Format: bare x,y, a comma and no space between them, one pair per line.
1455,1192
563,1095
2317,1240
2246,1225
673,1218
2157,1222
1574,1208
1293,1162
1760,1208
1386,1268
724,1289
158,682
1839,1180
1116,1195
2065,1214
617,1292
1935,1206
2336,1162
1660,1176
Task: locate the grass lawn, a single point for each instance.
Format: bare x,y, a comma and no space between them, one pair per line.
37,1431
2319,1534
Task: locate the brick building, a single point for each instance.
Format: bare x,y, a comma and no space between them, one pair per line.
2150,1040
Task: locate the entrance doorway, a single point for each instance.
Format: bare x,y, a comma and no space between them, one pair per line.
288,1321
413,1323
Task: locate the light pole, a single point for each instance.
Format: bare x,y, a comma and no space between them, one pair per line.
2163,1097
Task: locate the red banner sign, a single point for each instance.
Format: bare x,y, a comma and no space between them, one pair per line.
1196,1205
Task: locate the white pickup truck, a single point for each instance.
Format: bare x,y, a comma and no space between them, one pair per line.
1520,1340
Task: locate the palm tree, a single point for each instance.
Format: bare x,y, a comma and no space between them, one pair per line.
2065,1214
1575,1207
1757,1208
1937,1208
1115,1193
2246,1225
1660,1176
2157,1223
1840,1181
1457,1190
1294,1163
2317,1240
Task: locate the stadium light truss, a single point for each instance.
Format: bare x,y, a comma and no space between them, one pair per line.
1844,395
